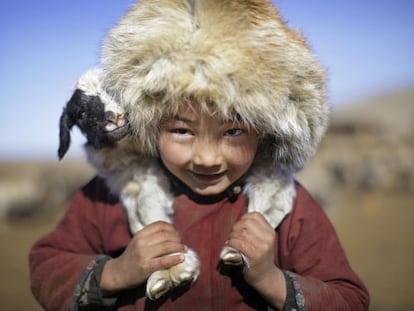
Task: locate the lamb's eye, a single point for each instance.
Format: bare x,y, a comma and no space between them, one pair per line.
80,115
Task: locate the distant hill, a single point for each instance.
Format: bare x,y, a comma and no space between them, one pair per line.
38,189
391,113
369,145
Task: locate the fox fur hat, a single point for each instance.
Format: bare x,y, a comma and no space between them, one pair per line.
233,57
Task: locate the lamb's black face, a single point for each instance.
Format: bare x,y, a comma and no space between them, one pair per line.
88,113
101,128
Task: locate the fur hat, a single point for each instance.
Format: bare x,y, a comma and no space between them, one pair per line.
235,57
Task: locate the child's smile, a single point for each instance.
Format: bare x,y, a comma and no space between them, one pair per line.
206,153
212,178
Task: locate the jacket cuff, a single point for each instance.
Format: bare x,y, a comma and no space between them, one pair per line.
88,294
295,301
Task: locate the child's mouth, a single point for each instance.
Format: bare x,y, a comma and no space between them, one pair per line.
209,177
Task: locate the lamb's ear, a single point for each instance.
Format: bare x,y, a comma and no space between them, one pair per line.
65,125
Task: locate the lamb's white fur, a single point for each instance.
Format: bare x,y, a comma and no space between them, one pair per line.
144,192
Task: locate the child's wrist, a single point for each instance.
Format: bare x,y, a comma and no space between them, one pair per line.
110,282
272,287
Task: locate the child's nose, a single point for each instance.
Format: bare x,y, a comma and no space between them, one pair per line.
207,154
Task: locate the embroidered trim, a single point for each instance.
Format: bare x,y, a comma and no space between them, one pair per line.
294,289
80,296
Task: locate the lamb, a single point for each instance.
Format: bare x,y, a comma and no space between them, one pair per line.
134,177
113,150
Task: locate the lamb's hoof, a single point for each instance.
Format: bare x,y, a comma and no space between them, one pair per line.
233,257
158,289
187,271
158,284
185,277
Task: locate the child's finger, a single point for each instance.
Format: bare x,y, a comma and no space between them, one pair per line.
165,262
159,226
164,248
158,238
253,226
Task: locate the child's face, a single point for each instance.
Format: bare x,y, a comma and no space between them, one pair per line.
208,154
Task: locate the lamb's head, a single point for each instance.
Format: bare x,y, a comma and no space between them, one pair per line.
99,118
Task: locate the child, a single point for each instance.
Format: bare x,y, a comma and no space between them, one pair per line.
216,91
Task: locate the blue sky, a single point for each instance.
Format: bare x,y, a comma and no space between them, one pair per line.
366,45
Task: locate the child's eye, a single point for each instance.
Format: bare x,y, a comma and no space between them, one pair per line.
181,131
234,132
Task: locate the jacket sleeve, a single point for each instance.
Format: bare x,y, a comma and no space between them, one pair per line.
316,262
59,260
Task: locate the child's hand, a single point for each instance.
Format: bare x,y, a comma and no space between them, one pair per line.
254,237
144,254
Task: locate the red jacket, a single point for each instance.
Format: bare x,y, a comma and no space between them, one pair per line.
95,223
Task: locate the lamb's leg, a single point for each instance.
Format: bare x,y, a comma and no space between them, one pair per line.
159,282
147,199
128,197
271,193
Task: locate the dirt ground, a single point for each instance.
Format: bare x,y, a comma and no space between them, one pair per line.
15,242
376,230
